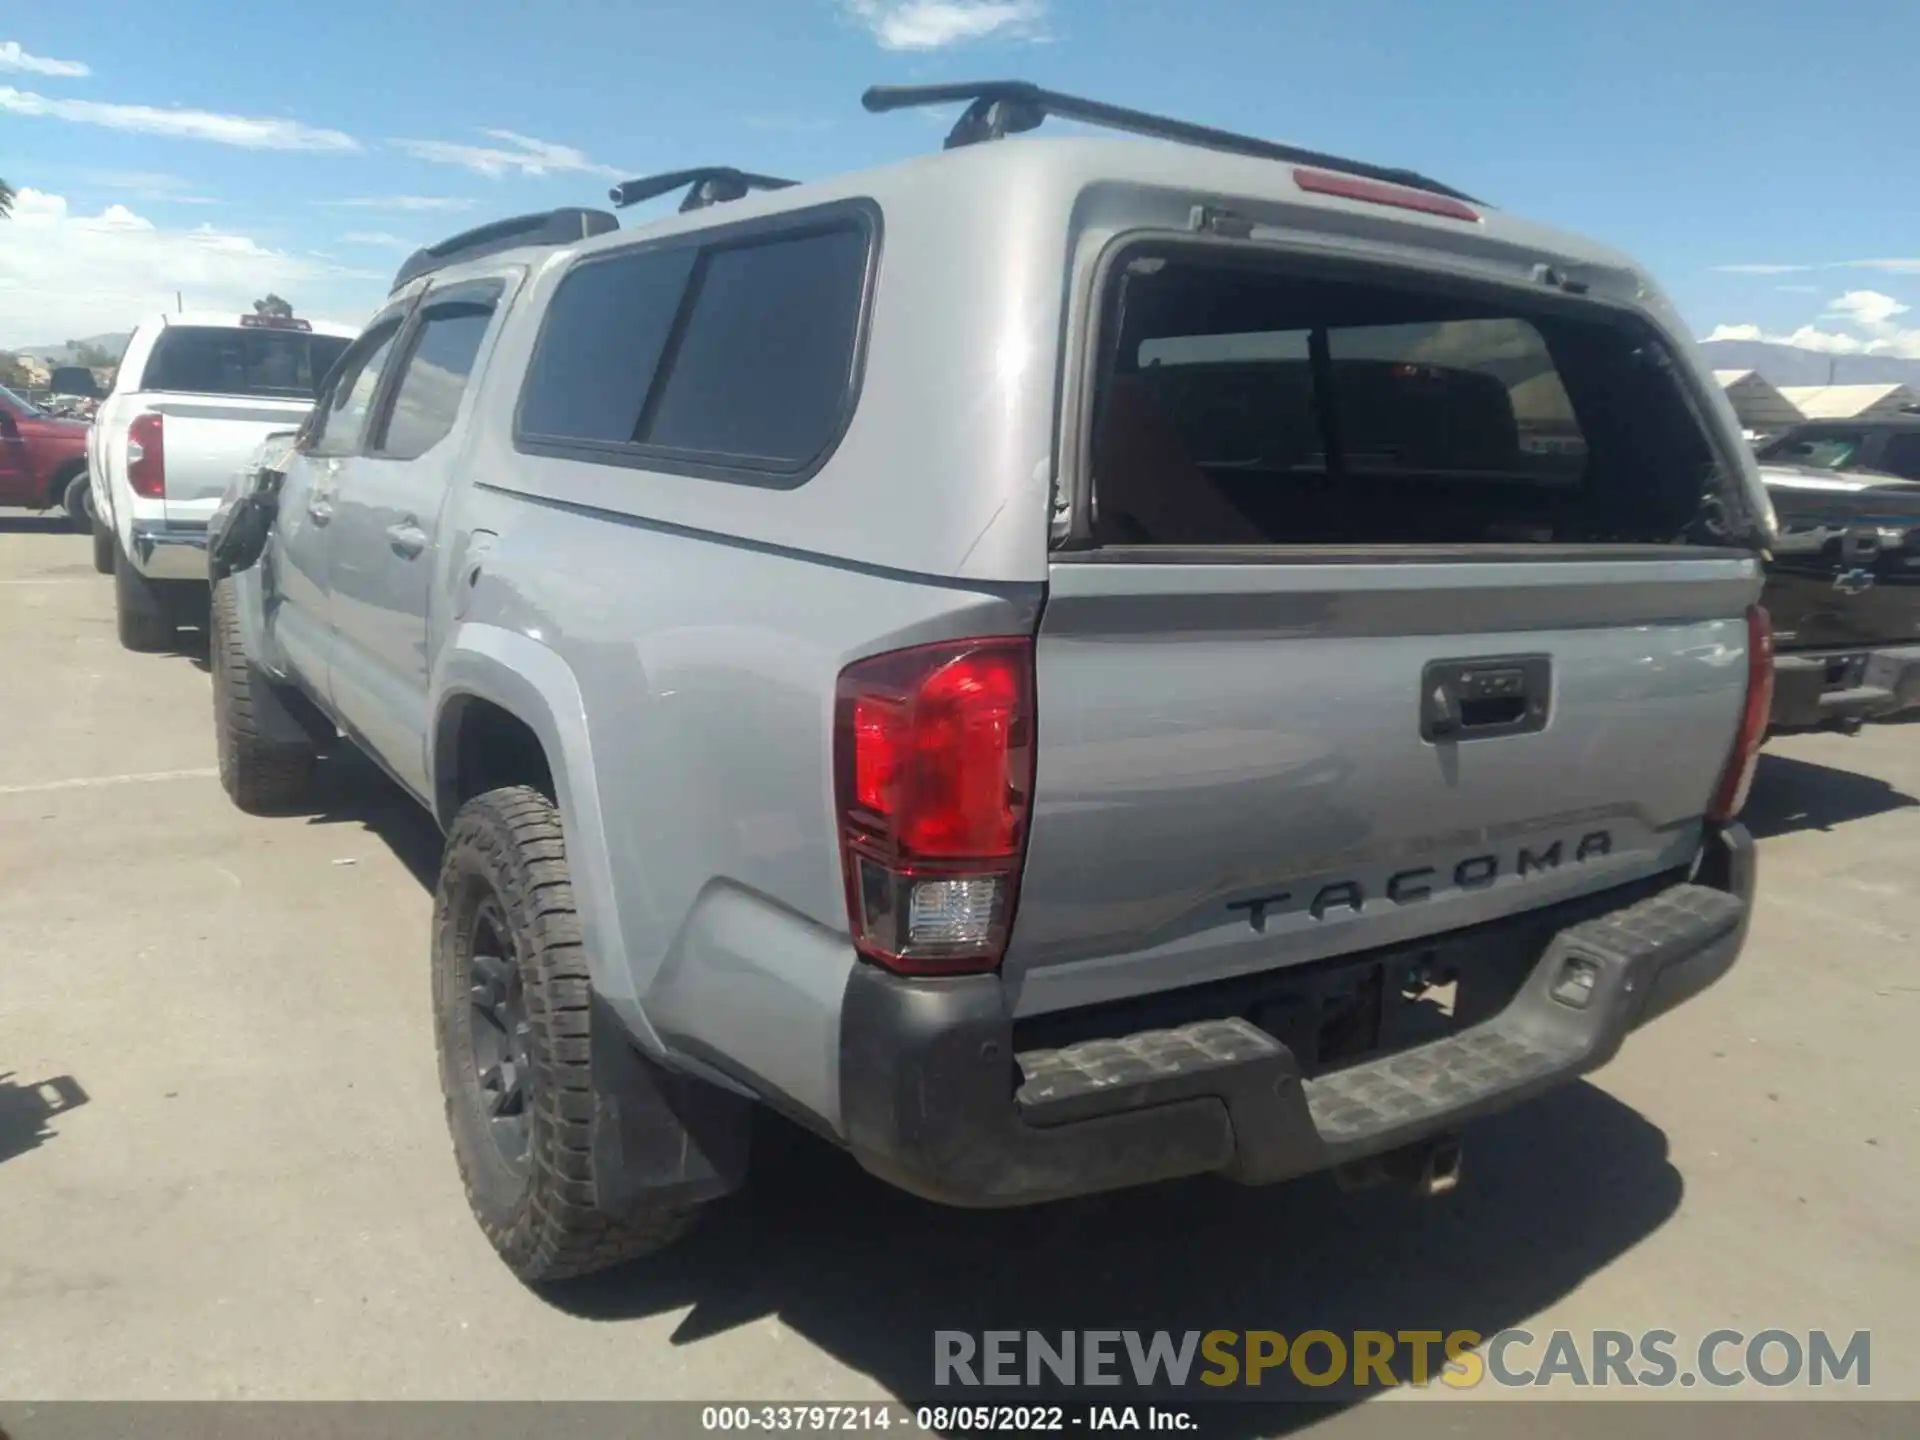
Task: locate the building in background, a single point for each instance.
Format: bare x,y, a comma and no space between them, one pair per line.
1764,410
1852,402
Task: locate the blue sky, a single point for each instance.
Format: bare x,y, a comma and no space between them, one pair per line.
221,149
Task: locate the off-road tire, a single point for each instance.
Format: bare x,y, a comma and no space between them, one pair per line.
144,617
541,1215
77,497
261,778
103,546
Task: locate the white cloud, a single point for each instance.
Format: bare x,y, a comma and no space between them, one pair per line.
933,24
67,274
399,202
1870,316
1897,267
14,57
148,185
380,238
528,156
1868,309
247,132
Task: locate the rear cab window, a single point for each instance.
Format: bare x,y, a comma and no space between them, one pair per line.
735,356
265,364
1242,401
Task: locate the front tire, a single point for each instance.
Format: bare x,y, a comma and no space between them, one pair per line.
141,611
259,777
512,1007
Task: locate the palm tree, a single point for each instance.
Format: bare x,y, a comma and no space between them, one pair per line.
6,198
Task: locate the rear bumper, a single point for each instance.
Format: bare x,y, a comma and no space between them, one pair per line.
161,550
1816,689
935,1100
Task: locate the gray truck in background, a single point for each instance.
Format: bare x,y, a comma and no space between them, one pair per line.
1056,665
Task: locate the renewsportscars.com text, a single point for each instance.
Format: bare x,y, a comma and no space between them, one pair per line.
1319,1360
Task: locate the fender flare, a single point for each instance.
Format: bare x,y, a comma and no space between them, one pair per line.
530,681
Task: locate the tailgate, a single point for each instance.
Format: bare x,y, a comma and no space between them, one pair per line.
208,439
1846,567
1391,604
1232,775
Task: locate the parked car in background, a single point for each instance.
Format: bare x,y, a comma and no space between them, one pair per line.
74,380
195,394
43,459
1843,586
1098,692
1886,446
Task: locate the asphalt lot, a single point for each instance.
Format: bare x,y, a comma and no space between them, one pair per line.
247,1190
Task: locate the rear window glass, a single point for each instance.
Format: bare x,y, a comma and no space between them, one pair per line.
764,366
1248,405
268,364
604,335
739,355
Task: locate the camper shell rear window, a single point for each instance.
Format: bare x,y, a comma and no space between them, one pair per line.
1248,401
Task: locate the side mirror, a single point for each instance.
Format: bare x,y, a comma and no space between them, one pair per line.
8,429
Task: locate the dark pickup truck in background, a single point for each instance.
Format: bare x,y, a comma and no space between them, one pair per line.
1843,590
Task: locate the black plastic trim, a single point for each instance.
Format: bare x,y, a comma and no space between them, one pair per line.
929,1073
566,226
862,213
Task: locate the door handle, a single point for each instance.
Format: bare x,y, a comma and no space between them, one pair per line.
1485,696
320,507
407,538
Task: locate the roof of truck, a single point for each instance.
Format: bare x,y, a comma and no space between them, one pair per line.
231,320
1069,166
978,170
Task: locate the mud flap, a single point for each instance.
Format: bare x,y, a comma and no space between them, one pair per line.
660,1140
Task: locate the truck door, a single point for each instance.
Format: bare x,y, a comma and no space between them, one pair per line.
386,524
301,621
15,481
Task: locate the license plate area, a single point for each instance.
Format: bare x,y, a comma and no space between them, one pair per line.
1344,1011
1361,1009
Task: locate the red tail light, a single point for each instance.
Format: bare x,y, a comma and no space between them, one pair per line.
147,456
933,771
1753,720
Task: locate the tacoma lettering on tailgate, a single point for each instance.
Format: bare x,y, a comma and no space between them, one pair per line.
1417,883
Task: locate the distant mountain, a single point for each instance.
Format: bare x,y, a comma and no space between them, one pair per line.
59,354
1790,365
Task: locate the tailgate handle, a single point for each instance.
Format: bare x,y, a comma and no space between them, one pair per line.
1484,697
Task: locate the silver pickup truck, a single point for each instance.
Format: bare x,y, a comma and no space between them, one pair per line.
1057,665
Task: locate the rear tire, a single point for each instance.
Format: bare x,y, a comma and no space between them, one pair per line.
102,546
259,777
141,611
78,499
512,1007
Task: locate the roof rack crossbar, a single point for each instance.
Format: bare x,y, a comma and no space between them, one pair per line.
547,227
711,185
998,108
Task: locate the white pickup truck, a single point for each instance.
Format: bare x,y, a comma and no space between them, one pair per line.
195,394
